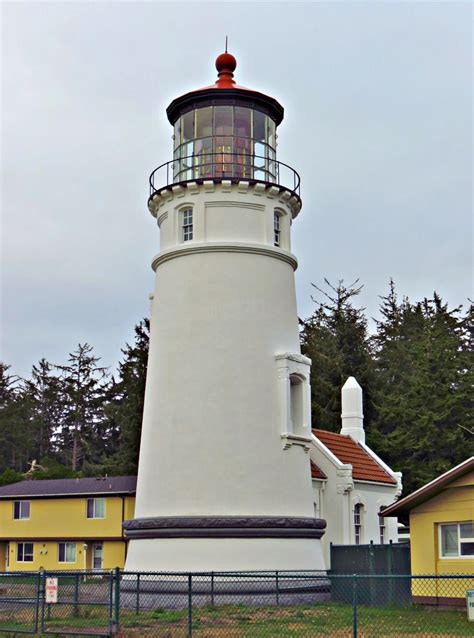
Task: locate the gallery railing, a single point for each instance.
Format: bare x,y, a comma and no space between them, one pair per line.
235,167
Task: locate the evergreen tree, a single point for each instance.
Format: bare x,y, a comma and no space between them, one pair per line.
15,435
82,436
125,408
424,391
43,394
335,338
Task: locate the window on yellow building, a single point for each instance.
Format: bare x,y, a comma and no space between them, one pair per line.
21,510
67,552
96,508
24,552
457,540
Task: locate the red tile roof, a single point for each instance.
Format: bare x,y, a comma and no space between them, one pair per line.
364,467
316,472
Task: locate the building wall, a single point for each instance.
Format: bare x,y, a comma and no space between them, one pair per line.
455,504
61,517
53,520
334,500
46,556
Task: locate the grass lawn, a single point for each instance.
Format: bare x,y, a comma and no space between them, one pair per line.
239,621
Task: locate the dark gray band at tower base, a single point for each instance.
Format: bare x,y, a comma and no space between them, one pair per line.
225,527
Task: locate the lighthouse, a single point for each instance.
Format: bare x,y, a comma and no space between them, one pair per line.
224,480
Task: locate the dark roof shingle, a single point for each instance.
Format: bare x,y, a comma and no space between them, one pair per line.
70,487
364,467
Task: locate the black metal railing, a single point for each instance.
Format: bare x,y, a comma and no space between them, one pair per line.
225,166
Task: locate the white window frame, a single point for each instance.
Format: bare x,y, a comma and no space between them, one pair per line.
460,541
382,530
94,515
187,223
20,508
277,229
358,513
66,544
23,543
294,367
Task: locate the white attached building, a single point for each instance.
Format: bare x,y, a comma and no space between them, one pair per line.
350,482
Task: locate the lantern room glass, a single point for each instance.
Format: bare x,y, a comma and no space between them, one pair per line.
225,142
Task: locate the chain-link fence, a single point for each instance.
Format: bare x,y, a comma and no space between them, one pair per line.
231,605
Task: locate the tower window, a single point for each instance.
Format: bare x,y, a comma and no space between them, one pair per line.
296,403
357,523
187,217
276,229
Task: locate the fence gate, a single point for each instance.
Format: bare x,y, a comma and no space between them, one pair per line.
76,603
19,596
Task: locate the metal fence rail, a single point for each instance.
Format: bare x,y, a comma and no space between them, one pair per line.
231,605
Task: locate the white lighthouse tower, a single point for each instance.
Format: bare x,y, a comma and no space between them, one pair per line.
224,473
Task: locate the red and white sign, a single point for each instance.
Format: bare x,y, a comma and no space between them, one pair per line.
51,593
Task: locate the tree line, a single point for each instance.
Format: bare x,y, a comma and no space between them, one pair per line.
415,368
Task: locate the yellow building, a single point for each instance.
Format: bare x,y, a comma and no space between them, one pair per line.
441,517
65,523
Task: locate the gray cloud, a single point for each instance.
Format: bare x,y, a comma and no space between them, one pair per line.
378,100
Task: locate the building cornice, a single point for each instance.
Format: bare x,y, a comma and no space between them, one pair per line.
224,247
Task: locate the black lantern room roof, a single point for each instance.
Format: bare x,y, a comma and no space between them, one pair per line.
225,92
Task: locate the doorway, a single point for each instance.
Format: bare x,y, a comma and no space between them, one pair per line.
97,555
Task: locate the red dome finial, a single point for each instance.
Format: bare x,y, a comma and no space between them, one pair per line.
225,65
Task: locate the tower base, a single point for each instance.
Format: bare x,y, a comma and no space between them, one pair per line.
204,544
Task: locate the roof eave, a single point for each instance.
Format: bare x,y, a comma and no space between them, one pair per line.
431,489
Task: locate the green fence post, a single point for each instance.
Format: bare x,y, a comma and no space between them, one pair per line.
190,606
117,599
76,595
111,603
371,582
391,582
277,588
212,589
43,590
354,607
137,604
38,598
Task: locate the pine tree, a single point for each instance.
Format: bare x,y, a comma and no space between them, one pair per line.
335,338
423,363
82,423
15,435
43,395
125,409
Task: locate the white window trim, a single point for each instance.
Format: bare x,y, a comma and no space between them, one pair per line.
277,228
440,543
21,518
65,552
94,499
360,525
183,226
32,553
382,531
289,364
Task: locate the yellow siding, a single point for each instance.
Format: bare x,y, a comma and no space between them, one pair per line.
129,507
453,505
61,518
46,556
54,520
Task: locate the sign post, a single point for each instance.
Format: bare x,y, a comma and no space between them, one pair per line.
51,590
470,604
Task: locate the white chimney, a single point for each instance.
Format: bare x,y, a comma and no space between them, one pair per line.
352,415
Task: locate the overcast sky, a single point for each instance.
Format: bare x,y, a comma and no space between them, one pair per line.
377,98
